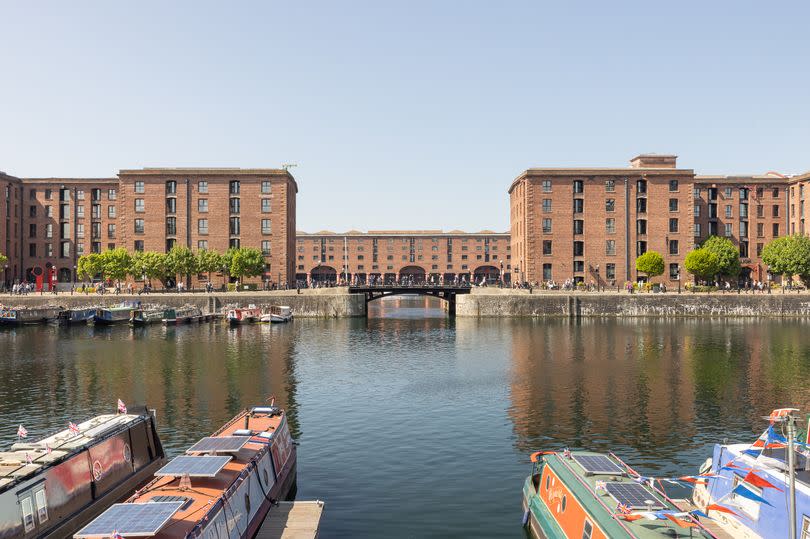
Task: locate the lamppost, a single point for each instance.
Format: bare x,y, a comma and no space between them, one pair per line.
597,278
678,278
768,277
517,272
501,272
74,278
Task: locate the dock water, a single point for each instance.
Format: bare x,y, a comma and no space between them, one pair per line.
292,520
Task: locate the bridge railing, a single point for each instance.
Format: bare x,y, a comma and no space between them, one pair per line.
419,286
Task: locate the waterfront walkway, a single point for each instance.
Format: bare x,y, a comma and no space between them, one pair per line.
292,520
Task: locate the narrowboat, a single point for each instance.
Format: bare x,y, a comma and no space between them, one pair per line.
19,316
53,487
183,315
144,317
277,315
223,486
115,315
249,315
762,488
578,494
79,315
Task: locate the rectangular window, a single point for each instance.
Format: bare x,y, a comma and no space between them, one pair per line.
266,205
579,187
95,247
579,226
80,194
673,185
171,226
64,230
139,187
111,212
697,230
775,210
266,228
111,231
546,205
27,509
743,211
546,225
266,187
64,249
234,243
32,211
266,247
641,205
170,243
697,210
112,194
673,204
760,230
95,211
776,230
674,271
32,249
234,205
673,224
579,248
546,272
49,249
80,231
202,227
610,271
546,247
234,187
775,192
579,205
202,205
641,248
64,211
202,245
743,229
728,212
139,245
79,249
79,211
696,192
610,204
610,186
579,266
673,247
202,186
641,226
759,248
546,186
48,194
139,226
729,192
95,195
610,247
728,230
171,205
32,230
139,205
610,225
49,230
234,226
760,210
48,211
171,187
32,194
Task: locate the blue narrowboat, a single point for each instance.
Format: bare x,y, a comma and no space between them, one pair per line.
81,315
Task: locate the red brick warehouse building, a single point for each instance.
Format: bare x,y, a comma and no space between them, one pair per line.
397,255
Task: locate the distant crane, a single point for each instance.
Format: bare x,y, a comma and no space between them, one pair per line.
288,166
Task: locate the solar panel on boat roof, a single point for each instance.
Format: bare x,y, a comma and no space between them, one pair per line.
194,466
131,519
633,495
219,444
598,464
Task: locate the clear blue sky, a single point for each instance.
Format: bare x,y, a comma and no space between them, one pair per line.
415,114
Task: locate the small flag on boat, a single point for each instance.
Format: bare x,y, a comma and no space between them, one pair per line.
741,490
680,522
28,458
761,482
21,432
122,409
116,535
567,453
720,508
623,509
601,485
47,448
74,428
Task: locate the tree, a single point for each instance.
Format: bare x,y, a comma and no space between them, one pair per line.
209,262
181,261
727,255
151,265
789,255
89,266
3,259
115,264
702,263
246,262
651,263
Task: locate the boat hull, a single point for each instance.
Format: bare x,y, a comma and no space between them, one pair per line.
538,519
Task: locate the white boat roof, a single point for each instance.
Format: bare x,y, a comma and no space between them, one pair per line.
14,465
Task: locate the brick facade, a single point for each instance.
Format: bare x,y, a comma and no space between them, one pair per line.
393,254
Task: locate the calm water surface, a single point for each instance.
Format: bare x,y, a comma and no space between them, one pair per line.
412,424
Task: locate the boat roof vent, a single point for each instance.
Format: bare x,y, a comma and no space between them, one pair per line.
243,432
269,410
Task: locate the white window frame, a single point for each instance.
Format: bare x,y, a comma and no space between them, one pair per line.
42,505
747,506
27,510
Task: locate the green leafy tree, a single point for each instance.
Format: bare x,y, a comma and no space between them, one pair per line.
151,265
246,262
210,262
651,263
115,264
181,261
727,255
789,255
702,263
88,266
3,259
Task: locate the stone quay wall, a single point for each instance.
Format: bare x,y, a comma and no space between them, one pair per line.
574,305
320,303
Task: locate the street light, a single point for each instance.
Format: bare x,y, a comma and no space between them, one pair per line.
501,261
678,278
597,278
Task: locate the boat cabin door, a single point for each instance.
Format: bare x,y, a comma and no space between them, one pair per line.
33,507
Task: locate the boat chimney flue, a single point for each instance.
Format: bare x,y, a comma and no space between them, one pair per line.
247,421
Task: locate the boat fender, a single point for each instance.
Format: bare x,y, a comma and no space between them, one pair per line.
525,518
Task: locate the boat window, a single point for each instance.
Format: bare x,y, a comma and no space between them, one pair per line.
805,527
548,479
42,506
562,507
27,513
587,529
247,502
266,478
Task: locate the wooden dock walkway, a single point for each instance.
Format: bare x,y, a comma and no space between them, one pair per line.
711,525
292,520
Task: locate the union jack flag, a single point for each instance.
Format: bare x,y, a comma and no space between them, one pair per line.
567,453
74,428
623,509
122,409
116,535
47,448
21,432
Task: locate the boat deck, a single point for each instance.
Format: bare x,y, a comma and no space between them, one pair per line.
710,525
292,520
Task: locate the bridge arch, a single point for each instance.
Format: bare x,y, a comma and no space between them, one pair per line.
323,274
414,274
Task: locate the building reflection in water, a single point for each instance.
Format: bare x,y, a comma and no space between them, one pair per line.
652,389
194,376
